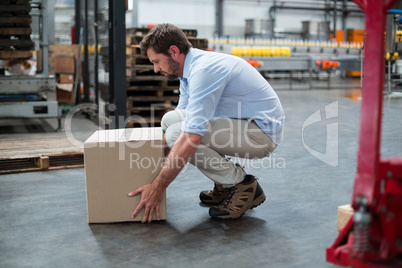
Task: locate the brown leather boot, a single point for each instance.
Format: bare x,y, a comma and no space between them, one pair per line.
243,196
214,197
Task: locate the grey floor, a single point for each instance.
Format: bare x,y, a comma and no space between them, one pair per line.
43,221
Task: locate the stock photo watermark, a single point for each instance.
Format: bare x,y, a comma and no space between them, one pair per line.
137,162
121,139
331,154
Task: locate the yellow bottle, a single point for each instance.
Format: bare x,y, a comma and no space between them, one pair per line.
265,52
234,51
287,52
275,51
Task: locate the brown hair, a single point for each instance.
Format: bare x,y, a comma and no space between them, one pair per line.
162,37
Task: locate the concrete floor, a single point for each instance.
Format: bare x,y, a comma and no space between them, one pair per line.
43,221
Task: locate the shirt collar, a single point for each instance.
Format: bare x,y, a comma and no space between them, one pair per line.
187,62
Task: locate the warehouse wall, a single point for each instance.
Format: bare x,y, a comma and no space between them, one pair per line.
188,14
201,15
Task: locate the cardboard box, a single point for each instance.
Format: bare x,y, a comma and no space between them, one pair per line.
66,78
65,92
339,36
355,35
64,63
116,163
55,50
353,73
345,212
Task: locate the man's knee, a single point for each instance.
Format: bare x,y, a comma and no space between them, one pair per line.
171,118
172,133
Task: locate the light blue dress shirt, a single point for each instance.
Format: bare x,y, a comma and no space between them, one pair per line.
222,85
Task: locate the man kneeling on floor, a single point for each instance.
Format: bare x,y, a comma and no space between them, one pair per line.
226,108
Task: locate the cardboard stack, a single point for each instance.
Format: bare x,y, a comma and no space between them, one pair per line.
65,71
116,163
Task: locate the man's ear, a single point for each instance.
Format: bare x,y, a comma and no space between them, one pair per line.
174,51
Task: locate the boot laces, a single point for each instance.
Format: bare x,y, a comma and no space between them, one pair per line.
228,196
215,191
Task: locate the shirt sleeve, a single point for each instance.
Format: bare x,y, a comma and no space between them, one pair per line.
183,99
205,90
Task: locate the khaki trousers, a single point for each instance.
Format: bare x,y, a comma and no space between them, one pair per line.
225,137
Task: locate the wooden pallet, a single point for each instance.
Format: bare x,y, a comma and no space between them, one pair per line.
12,54
156,90
38,154
149,95
143,122
15,30
15,7
17,21
151,107
135,35
200,43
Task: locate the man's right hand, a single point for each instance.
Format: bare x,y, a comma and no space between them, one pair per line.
151,197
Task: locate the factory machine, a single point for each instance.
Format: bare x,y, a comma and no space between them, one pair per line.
393,49
281,55
278,57
24,94
312,53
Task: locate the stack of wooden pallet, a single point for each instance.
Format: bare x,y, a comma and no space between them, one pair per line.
25,154
149,94
15,29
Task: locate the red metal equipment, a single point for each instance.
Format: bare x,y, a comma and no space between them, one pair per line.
373,236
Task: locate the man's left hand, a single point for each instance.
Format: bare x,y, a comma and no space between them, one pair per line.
151,197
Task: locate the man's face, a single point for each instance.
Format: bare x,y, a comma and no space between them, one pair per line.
164,64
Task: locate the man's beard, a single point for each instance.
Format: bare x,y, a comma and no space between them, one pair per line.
174,67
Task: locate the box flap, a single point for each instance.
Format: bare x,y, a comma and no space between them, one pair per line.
125,135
